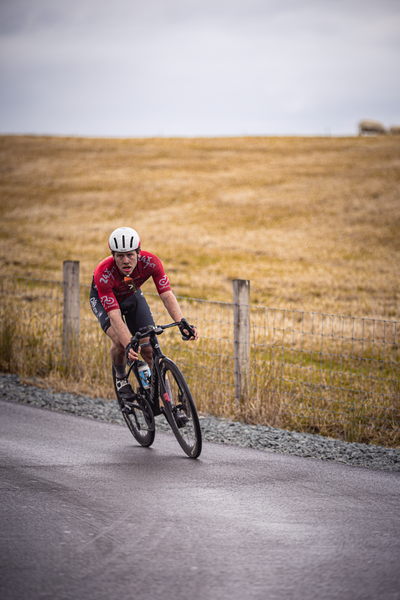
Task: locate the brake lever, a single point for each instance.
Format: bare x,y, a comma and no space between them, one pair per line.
135,342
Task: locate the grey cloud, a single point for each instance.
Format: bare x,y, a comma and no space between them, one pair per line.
209,67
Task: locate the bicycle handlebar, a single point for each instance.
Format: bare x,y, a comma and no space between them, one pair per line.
159,329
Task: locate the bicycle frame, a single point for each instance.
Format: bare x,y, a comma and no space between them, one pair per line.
156,382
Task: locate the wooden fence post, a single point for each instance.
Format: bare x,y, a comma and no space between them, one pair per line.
71,308
241,338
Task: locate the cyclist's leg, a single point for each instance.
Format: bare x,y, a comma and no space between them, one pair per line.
138,320
117,351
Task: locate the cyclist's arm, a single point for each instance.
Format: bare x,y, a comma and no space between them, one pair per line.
173,308
121,330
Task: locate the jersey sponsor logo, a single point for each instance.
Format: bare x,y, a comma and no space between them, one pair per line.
146,260
106,275
107,301
93,304
164,282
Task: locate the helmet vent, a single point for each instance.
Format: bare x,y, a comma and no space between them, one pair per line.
124,239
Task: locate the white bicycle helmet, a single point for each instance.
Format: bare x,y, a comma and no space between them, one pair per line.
124,239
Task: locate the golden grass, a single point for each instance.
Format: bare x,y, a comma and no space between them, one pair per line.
308,372
314,223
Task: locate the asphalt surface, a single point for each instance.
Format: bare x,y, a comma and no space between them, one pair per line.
86,513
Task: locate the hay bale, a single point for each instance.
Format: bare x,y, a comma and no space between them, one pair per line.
395,130
371,127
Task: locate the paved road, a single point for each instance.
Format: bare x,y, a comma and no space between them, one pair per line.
88,514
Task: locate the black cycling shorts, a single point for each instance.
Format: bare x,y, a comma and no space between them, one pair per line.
136,311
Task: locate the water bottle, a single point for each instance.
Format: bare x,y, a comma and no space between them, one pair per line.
144,374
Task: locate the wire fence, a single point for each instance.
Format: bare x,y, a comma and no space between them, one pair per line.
327,374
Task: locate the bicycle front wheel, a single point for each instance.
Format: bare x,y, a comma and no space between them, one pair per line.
180,409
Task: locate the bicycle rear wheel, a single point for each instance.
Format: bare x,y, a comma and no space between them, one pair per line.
180,409
139,419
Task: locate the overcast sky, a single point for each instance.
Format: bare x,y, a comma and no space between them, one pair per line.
198,67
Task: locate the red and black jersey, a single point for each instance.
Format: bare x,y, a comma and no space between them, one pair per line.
114,287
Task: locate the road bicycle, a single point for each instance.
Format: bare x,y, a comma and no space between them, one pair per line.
166,383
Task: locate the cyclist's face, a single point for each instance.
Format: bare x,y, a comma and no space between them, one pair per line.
126,261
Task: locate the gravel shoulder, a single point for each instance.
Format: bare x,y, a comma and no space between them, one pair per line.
217,430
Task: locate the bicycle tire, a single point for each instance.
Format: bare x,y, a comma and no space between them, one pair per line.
180,399
140,421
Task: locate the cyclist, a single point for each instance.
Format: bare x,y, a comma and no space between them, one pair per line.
120,306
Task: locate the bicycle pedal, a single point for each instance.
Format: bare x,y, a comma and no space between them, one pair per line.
181,419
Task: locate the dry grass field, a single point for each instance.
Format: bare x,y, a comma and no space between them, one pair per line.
314,223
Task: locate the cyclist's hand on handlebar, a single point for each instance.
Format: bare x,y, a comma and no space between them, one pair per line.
188,332
131,355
